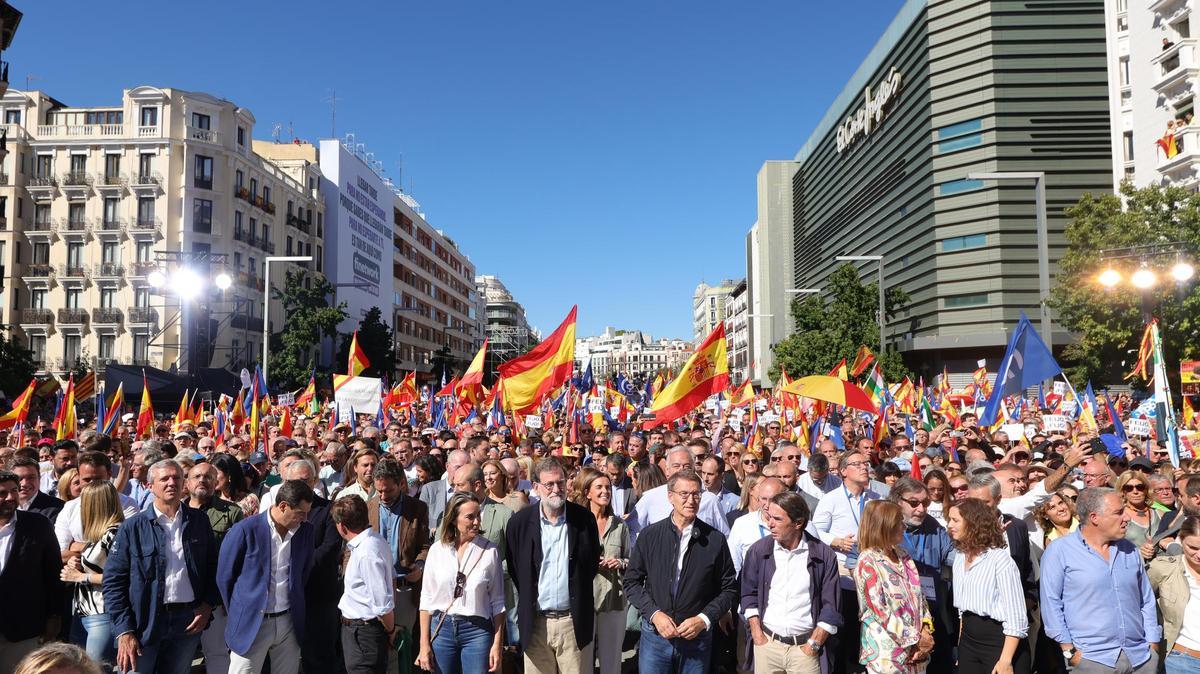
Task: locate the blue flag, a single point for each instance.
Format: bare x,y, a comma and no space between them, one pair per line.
1118,427
585,381
1027,361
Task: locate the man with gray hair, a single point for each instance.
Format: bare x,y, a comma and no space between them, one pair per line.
1097,602
145,456
436,494
654,505
333,465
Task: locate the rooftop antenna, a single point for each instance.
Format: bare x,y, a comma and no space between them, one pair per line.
400,178
29,79
291,131
332,99
276,128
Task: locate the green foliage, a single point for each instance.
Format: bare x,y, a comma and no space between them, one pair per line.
1108,322
375,339
16,366
827,332
82,365
308,318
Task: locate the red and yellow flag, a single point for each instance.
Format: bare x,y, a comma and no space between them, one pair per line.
862,360
145,419
742,395
470,387
530,378
840,371
184,413
358,360
65,422
285,422
20,408
705,373
1145,351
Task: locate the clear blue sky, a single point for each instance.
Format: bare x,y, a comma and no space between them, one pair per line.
599,153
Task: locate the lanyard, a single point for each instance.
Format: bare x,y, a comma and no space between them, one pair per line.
862,503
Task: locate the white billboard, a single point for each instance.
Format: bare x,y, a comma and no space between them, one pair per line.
358,234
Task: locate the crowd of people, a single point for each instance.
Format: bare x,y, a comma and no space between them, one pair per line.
349,547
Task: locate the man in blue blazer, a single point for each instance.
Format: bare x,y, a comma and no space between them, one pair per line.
160,579
264,565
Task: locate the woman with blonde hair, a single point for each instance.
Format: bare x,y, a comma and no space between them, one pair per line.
897,628
69,485
595,494
57,658
1056,518
101,515
495,481
1143,520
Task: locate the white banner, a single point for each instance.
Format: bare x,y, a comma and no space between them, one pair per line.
1014,432
357,395
533,421
595,406
1054,423
1060,388
1138,427
286,399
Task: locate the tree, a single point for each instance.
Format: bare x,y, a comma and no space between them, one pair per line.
307,318
1108,322
16,366
82,365
826,333
375,339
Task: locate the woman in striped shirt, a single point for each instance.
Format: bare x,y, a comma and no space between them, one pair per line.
987,594
101,516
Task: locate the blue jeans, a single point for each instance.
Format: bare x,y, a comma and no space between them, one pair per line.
174,651
462,645
674,656
101,644
1179,663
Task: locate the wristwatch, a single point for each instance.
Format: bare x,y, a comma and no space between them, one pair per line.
815,645
1069,654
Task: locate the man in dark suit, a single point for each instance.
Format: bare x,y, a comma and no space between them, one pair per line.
553,555
319,648
261,575
436,494
29,497
29,569
160,579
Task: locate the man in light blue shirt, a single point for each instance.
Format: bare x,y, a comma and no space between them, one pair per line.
1096,599
553,594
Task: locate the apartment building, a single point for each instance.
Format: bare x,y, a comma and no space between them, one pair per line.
708,307
119,223
629,352
737,332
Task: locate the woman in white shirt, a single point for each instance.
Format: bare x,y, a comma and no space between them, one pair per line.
462,596
101,515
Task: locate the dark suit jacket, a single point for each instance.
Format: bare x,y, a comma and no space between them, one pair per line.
823,585
1017,533
30,586
324,580
414,530
707,584
524,557
244,577
46,505
135,573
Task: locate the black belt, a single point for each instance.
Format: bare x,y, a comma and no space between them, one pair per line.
178,606
355,622
277,613
790,641
555,614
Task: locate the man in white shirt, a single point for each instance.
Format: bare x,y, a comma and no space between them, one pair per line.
368,627
1019,500
818,481
655,506
62,461
264,593
68,528
752,527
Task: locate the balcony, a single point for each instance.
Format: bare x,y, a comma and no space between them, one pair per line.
1165,8
298,223
1175,68
269,207
149,132
267,246
245,236
146,182
242,193
41,186
203,135
73,230
37,317
110,184
142,269
80,131
111,272
145,228
253,281
143,316
99,363
244,322
107,230
38,271
75,179
72,274
107,316
72,317
1182,168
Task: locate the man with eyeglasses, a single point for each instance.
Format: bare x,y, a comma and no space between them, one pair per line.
1019,500
933,553
682,580
551,548
1188,501
818,481
835,522
655,505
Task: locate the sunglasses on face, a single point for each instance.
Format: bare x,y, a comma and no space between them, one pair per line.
916,502
750,462
958,487
1133,487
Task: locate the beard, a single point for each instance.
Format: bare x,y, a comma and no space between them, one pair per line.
555,502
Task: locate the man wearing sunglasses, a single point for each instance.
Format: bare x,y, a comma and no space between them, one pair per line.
932,551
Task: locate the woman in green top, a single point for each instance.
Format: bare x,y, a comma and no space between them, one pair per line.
595,493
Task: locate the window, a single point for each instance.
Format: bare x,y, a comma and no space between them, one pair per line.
75,255
145,167
964,242
266,233
289,245
1127,139
145,210
253,228
108,347
108,297
103,117
45,166
79,164
1123,70
203,174
241,136
141,298
142,253
41,214
957,186
959,136
254,187
37,298
37,344
112,165
12,116
237,261
141,347
291,207
202,216
149,115
972,300
252,267
237,224
266,194
110,252
201,121
73,295
41,253
239,179
75,214
110,209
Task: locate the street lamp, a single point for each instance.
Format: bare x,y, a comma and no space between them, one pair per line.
266,298
882,308
1043,236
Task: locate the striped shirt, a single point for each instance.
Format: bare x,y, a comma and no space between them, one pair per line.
992,588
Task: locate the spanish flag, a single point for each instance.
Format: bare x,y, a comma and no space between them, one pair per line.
530,378
742,395
184,413
470,387
65,421
1145,351
285,422
861,361
358,359
145,419
405,391
309,392
704,374
20,408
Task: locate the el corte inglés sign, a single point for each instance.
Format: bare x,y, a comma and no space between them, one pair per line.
863,121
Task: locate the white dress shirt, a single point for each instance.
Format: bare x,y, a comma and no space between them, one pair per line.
6,540
1189,631
746,531
368,581
483,594
789,611
178,585
278,598
1022,507
805,484
991,588
68,528
838,514
654,506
